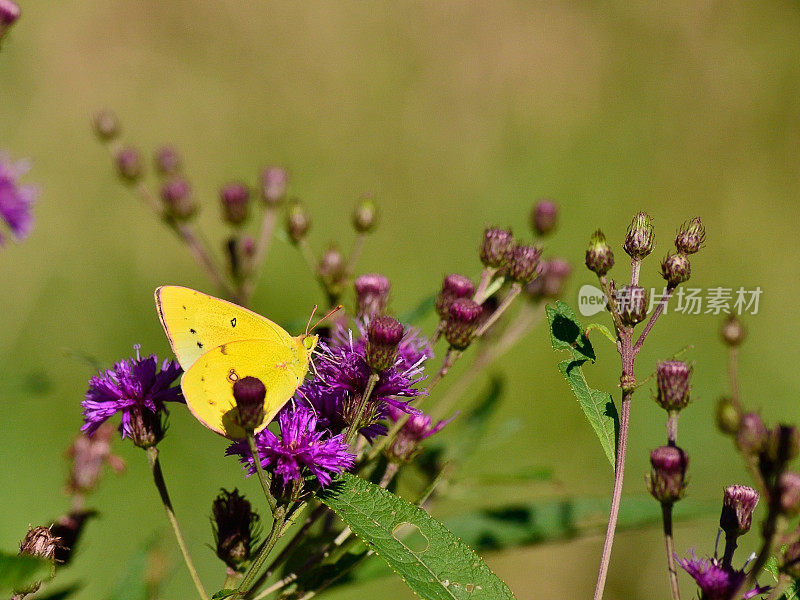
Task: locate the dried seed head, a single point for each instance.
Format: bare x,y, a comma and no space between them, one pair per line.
632,304
176,194
235,528
672,383
675,269
454,286
365,216
691,236
106,125
738,504
667,482
383,337
297,221
599,257
273,185
463,319
168,162
372,294
522,262
640,239
544,217
129,164
496,243
249,393
732,331
235,200
40,541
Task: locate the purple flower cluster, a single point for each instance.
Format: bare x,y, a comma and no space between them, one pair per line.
135,388
301,449
341,378
715,580
417,428
16,200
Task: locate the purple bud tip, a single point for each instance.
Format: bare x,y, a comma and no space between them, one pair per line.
672,382
690,237
9,13
332,265
751,438
599,257
550,279
669,459
234,528
544,216
458,286
789,490
273,184
523,262
235,198
640,239
667,481
168,161
372,294
384,336
177,197
738,504
676,269
249,393
464,310
496,243
129,163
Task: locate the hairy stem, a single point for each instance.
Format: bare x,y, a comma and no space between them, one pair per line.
666,515
486,278
653,318
158,478
279,516
263,477
515,290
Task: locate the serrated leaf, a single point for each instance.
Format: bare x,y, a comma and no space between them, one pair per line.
226,593
18,571
566,333
437,565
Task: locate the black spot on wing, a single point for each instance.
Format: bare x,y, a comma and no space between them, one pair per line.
233,322
199,344
192,331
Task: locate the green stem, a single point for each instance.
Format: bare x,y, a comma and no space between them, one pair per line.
515,290
666,514
254,266
232,579
263,477
158,478
352,432
274,534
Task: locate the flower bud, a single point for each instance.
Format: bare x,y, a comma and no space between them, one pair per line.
522,261
789,493
732,331
632,304
372,294
640,239
235,528
454,286
9,14
106,126
332,265
667,482
40,541
549,283
365,216
751,438
235,199
463,318
168,161
675,269
68,529
383,337
738,504
129,163
729,416
691,236
783,444
176,194
672,382
496,243
544,217
147,427
273,185
297,221
418,427
89,455
249,393
599,257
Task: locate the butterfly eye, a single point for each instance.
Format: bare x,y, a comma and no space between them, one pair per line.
309,342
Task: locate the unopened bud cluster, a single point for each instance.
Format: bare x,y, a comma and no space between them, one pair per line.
499,251
676,268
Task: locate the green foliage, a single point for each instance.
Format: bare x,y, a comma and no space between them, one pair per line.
226,593
432,561
566,333
60,594
20,571
132,583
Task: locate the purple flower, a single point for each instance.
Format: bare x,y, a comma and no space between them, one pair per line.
300,450
716,581
418,427
136,389
16,201
341,378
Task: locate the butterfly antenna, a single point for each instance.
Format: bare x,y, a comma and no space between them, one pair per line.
311,316
332,311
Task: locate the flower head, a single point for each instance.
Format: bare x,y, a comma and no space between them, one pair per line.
640,240
16,200
418,427
235,528
302,449
342,375
716,581
137,390
738,504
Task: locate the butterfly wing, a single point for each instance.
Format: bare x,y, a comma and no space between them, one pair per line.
196,323
208,384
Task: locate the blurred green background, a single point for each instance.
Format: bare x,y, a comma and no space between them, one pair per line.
454,115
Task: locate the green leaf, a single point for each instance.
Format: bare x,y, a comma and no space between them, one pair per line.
60,594
19,571
602,329
793,591
226,593
432,561
475,425
566,333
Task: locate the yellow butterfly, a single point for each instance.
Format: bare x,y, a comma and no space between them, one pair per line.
216,343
